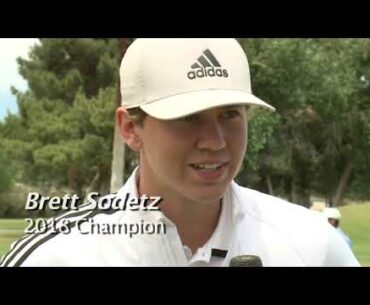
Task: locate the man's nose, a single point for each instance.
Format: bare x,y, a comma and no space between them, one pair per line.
211,136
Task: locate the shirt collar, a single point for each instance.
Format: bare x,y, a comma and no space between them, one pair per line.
130,186
218,245
220,241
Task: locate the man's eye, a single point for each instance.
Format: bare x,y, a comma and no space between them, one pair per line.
190,118
230,114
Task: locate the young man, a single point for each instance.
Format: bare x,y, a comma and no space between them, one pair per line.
184,105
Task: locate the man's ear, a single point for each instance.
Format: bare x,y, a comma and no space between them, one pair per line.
128,129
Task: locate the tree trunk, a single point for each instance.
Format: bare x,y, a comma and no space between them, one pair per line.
269,185
299,194
118,154
118,162
94,184
343,182
293,191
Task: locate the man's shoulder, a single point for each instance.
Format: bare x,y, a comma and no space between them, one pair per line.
261,205
284,227
281,233
291,220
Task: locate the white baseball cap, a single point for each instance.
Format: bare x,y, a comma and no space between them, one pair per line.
332,213
172,78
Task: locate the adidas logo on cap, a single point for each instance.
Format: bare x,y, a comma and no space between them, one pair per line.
207,66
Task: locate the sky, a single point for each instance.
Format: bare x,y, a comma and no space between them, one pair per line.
10,49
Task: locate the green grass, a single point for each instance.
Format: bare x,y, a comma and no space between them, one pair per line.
355,223
10,231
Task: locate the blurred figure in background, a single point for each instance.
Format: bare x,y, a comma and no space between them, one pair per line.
333,215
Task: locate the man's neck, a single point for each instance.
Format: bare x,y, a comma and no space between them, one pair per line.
195,221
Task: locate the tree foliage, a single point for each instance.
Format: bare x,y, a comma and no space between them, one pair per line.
320,91
66,118
316,143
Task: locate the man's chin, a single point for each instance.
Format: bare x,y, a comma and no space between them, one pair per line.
209,196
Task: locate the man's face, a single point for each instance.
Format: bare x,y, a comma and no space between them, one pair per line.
195,157
334,222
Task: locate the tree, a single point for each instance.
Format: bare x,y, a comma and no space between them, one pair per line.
67,115
6,173
315,86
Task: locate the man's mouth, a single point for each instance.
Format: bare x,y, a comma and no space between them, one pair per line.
207,166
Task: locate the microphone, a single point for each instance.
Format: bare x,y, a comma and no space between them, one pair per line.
246,261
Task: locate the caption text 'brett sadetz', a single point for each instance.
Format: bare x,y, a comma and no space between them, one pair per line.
144,203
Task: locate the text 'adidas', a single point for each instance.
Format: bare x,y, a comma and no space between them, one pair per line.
207,66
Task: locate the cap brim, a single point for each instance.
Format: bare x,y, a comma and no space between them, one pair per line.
181,105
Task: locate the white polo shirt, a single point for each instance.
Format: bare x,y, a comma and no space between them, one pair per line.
280,233
212,253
